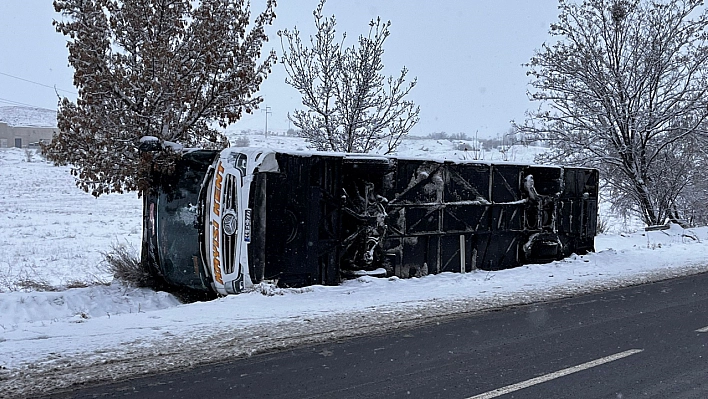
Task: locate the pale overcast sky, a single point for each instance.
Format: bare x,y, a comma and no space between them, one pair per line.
467,55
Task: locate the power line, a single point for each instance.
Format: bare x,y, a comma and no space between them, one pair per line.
37,83
11,102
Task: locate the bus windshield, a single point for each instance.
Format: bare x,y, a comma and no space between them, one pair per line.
177,225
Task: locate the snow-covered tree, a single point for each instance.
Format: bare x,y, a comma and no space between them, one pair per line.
624,90
690,204
172,69
350,105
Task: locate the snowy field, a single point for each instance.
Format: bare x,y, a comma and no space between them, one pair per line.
52,237
28,116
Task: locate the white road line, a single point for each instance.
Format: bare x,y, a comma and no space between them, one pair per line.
570,370
702,330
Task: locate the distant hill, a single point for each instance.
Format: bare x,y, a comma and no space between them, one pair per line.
28,116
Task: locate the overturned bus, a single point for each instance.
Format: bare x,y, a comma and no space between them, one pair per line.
225,220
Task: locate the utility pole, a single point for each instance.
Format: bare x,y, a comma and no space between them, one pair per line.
267,112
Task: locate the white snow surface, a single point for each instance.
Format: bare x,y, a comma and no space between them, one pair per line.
53,234
28,116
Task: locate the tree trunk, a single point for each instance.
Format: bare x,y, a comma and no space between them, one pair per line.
645,204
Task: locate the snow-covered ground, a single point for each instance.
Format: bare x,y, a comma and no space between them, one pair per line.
28,116
52,236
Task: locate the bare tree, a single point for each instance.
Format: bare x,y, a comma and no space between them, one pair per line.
622,90
351,106
171,69
690,204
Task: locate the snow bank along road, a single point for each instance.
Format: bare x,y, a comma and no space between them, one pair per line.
48,355
643,341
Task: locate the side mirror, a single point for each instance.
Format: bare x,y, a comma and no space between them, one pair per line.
149,144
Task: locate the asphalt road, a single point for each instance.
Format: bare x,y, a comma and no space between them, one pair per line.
643,341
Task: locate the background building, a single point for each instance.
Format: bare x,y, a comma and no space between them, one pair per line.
25,127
